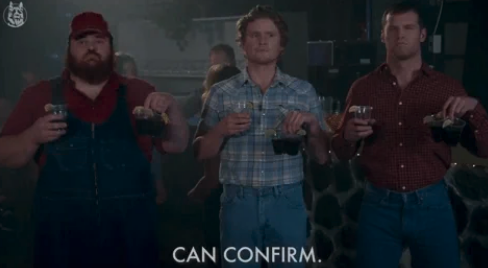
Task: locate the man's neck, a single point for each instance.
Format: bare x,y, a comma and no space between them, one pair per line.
404,68
262,75
90,90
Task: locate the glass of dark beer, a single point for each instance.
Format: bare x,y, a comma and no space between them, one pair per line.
286,143
448,133
363,112
243,107
60,109
149,123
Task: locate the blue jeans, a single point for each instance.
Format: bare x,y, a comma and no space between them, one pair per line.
260,218
423,220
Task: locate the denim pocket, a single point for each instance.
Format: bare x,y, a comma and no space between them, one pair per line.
293,197
71,154
230,195
436,198
374,196
115,154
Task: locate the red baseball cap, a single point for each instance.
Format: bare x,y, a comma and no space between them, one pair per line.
88,22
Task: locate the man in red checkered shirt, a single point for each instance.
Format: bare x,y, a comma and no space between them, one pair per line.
406,200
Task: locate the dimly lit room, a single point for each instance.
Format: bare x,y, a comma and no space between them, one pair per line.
243,133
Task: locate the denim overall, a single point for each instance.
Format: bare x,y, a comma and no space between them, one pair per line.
94,202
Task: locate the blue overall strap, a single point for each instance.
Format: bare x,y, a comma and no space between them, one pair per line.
57,90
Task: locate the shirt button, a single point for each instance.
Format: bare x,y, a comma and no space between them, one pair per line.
403,187
471,116
394,83
399,123
264,114
400,103
401,144
476,132
402,166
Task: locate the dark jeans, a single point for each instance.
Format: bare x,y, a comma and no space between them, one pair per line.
423,220
262,218
211,223
81,234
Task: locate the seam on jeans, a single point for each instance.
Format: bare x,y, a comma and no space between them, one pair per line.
277,192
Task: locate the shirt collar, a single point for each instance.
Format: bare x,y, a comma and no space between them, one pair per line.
279,78
424,69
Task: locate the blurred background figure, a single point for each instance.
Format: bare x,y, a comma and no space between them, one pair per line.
332,110
5,108
219,54
208,188
126,65
29,78
31,72
26,74
222,54
217,73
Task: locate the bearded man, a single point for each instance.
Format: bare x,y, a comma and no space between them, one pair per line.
94,204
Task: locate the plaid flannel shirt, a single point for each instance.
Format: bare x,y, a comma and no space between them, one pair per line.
248,159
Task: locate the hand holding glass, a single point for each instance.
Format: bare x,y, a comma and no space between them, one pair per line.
448,133
363,112
60,109
242,107
149,123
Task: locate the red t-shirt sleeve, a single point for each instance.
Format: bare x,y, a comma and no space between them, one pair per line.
27,110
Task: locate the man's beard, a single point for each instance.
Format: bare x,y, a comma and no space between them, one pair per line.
93,74
405,54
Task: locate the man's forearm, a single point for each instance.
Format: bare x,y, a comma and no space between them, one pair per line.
177,132
16,151
477,141
318,147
